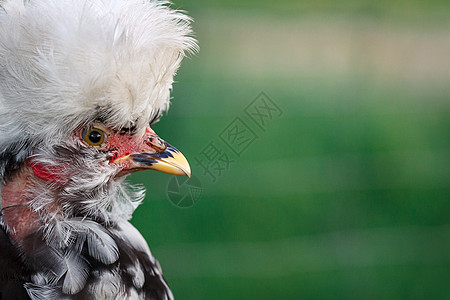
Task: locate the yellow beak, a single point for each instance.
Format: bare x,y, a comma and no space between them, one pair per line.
170,161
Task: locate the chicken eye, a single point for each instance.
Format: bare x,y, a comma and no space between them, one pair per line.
94,136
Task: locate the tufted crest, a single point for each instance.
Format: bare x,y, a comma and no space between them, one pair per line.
64,63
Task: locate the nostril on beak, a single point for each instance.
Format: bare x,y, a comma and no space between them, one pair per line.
156,143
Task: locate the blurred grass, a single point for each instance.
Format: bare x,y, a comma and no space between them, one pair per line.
409,9
347,194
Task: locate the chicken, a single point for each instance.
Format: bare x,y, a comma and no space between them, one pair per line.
81,84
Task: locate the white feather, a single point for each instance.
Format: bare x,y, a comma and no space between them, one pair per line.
127,232
44,292
137,274
75,232
76,273
100,244
108,286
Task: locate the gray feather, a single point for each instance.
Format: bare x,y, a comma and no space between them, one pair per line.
76,273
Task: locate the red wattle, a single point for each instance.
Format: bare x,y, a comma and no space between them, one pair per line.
52,174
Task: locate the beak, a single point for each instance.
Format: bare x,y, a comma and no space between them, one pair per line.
155,154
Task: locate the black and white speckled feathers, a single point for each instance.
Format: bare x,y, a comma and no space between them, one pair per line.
93,262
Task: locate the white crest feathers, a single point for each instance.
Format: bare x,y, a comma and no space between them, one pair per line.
65,62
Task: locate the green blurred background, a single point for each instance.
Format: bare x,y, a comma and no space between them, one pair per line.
346,195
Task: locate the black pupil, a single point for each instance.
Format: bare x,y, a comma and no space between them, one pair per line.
95,137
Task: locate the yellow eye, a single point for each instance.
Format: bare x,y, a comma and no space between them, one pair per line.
94,136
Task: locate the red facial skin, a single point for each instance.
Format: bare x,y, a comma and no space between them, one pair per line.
18,216
123,144
118,144
53,174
